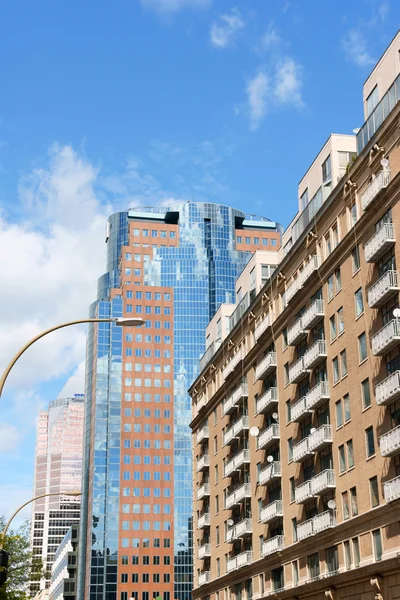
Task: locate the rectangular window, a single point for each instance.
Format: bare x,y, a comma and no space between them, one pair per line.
340,315
339,413
365,393
346,406
345,505
353,500
343,363
290,449
377,539
362,346
369,441
294,529
332,559
350,454
347,555
355,256
326,170
356,551
332,327
338,280
292,489
359,302
335,369
331,289
374,491
313,565
342,459
295,572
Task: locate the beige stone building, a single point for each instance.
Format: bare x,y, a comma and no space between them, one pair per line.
296,412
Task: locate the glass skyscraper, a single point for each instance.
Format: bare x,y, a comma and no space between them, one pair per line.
172,267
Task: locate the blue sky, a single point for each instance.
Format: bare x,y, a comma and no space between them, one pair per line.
108,105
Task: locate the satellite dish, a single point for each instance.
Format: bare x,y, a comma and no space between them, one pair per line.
313,430
275,416
384,162
270,458
396,313
254,431
332,504
230,522
356,130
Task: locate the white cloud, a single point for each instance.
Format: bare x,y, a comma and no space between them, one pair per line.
288,83
270,38
355,47
223,32
9,437
169,7
257,93
76,383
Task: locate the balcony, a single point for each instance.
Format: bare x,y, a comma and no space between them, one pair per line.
204,577
314,313
297,371
229,468
318,395
238,496
232,364
204,521
202,434
383,289
204,551
242,529
203,491
263,326
229,535
271,473
273,545
389,443
305,530
267,400
391,489
386,338
233,400
203,463
302,493
271,512
379,243
201,402
267,365
311,267
320,438
322,482
243,559
237,462
237,428
301,451
324,521
388,390
232,565
315,354
292,289
299,410
296,333
268,436
380,182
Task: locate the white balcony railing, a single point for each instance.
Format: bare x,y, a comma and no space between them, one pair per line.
391,489
389,443
379,182
389,389
268,399
386,338
238,496
202,434
305,529
204,551
229,468
242,458
271,511
317,395
314,313
315,354
302,492
229,535
204,521
296,333
323,481
230,501
203,463
324,521
204,577
310,268
297,371
299,410
292,289
233,400
237,428
243,559
263,326
242,528
273,545
268,436
232,364
320,438
301,450
270,473
231,565
203,491
267,364
201,402
379,243
383,289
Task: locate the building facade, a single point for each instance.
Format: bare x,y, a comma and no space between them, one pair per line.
296,414
173,267
58,468
64,570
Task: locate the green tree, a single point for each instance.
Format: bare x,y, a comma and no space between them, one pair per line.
22,566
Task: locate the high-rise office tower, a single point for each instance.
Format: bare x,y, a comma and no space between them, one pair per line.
173,267
58,468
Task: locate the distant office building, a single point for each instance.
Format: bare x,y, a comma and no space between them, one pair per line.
64,571
58,468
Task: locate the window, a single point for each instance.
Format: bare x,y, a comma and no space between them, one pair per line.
332,559
288,411
374,492
335,369
340,315
353,499
359,302
339,413
365,393
362,346
338,280
313,565
239,239
350,454
369,441
326,170
332,327
217,535
304,200
343,363
356,551
377,539
290,449
247,240
353,215
331,289
294,529
295,572
216,504
216,473
328,245
347,555
345,505
346,406
372,100
286,374
355,257
342,459
292,489
277,577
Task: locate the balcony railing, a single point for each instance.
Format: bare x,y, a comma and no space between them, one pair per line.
232,564
271,512
389,443
268,436
391,489
267,364
379,182
296,333
386,338
273,545
318,395
268,399
229,535
204,521
209,353
243,559
201,402
263,326
233,400
203,491
388,390
229,468
242,528
270,473
320,438
202,434
203,463
324,521
232,364
302,493
204,577
293,288
323,481
238,496
310,268
301,451
242,458
204,551
299,410
305,529
315,354
237,428
314,313
297,371
379,243
383,289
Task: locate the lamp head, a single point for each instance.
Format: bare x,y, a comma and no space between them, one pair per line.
128,322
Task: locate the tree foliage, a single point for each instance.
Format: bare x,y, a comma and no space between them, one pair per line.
22,567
